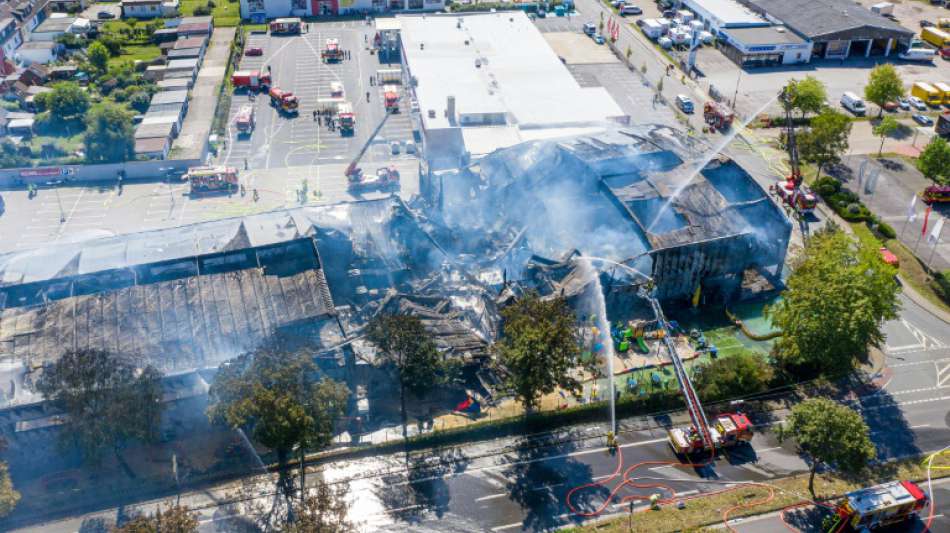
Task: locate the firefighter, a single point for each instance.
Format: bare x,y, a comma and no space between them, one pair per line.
255,195
655,501
367,96
314,114
243,191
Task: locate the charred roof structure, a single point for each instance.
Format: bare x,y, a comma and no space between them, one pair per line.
640,197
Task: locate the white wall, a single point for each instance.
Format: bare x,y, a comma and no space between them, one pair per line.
35,55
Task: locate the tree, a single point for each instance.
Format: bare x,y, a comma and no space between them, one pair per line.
732,377
884,85
830,434
838,296
8,495
827,138
110,137
174,519
410,351
98,56
323,511
808,95
539,347
107,398
112,43
934,160
277,393
887,126
66,102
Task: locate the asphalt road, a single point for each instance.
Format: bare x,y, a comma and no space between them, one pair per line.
502,485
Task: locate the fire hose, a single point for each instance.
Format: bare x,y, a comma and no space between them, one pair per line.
629,481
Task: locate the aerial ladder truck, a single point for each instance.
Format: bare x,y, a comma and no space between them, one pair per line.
385,177
792,192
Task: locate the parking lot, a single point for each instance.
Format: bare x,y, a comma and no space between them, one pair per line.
295,63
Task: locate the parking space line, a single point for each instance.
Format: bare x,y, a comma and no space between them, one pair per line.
943,374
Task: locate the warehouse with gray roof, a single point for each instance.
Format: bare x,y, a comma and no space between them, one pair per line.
838,28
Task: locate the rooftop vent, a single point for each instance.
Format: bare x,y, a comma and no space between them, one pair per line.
432,113
478,63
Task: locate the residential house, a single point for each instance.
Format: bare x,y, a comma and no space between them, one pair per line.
68,6
152,148
191,26
28,97
63,72
38,52
10,39
35,74
30,13
149,9
59,24
7,116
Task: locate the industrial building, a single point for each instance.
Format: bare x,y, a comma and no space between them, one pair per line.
490,80
837,28
261,10
717,15
764,46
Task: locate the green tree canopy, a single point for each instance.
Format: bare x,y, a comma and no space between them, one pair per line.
732,376
884,85
934,160
839,294
98,56
539,347
887,126
827,138
808,95
66,102
8,495
174,519
108,398
110,137
830,434
323,510
278,394
408,349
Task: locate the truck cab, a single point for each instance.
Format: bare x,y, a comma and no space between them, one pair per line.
590,29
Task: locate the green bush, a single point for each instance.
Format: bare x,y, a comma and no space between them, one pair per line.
886,230
201,11
827,186
941,285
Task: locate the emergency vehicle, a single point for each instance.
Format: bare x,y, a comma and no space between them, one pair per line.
211,180
286,26
285,101
336,89
331,52
245,120
718,115
727,431
936,194
347,118
879,506
391,98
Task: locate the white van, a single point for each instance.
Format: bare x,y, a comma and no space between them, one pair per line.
853,103
918,54
630,9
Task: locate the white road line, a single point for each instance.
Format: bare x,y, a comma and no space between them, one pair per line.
943,374
491,497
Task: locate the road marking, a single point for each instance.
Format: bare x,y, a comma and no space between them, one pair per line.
491,497
943,374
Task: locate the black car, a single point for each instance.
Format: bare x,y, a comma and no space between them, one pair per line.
923,120
926,24
105,15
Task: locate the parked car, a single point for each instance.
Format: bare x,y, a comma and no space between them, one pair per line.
254,51
917,103
599,39
923,120
630,9
589,29
903,103
685,103
891,106
926,24
105,15
944,53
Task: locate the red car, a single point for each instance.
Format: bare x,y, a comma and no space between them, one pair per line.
254,51
889,257
945,53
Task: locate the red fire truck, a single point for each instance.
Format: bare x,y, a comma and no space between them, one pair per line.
284,101
211,180
244,121
286,26
800,198
331,52
718,115
251,80
728,430
879,506
347,118
391,98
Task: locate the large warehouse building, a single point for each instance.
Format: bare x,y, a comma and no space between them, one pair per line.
837,28
488,81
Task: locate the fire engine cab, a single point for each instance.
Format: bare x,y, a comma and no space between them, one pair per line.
727,431
210,180
718,115
391,98
245,120
799,198
879,506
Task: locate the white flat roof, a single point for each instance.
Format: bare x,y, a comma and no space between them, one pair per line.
519,75
728,11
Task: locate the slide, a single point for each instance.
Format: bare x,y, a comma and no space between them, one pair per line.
642,345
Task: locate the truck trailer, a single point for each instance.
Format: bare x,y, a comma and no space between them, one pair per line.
927,92
211,180
936,37
251,80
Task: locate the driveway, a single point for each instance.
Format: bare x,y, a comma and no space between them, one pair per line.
92,12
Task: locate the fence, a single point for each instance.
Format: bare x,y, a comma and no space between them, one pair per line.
77,174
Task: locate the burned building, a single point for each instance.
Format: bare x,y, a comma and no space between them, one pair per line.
644,198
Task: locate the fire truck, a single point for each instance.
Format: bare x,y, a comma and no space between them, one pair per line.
331,52
791,191
726,431
391,98
936,194
385,178
347,118
252,80
284,101
245,120
286,26
879,506
211,180
718,115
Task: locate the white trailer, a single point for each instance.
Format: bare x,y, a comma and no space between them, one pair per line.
883,8
652,28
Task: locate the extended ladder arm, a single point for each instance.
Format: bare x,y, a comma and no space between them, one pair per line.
352,168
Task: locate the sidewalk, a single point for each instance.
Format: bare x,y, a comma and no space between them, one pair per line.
192,142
